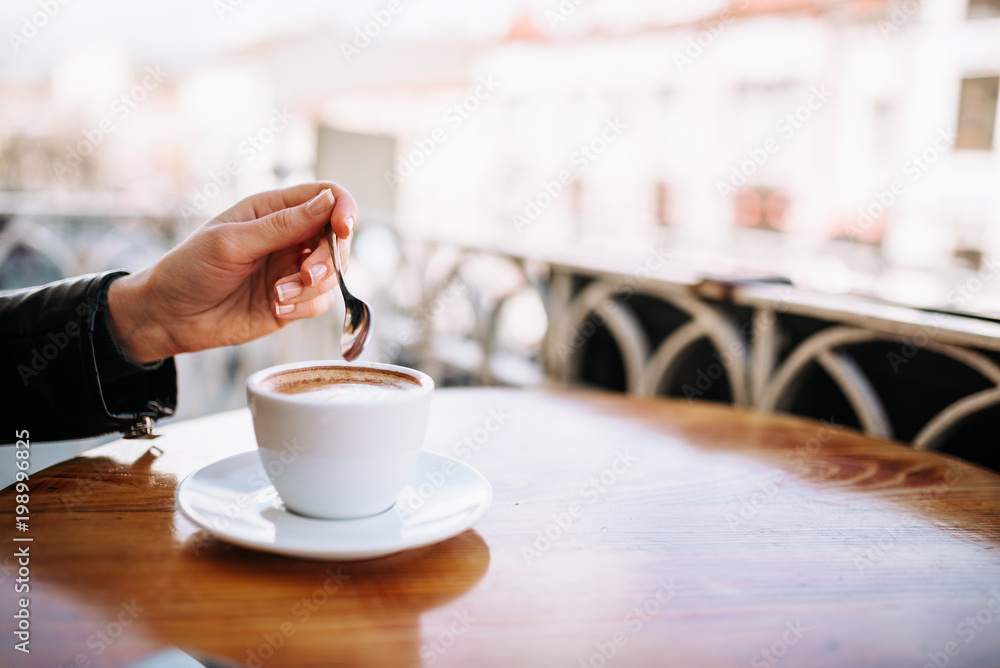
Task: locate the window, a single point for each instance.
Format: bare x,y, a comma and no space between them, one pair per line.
983,9
977,113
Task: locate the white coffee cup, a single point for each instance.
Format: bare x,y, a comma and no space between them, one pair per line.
339,440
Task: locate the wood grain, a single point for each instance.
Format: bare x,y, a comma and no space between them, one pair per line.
624,532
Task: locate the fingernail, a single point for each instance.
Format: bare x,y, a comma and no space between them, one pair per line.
320,203
317,272
288,290
350,223
283,309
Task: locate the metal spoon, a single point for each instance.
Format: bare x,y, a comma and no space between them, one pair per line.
357,315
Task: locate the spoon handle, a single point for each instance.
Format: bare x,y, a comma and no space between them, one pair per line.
335,252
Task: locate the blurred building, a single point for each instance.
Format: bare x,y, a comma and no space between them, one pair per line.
846,144
862,132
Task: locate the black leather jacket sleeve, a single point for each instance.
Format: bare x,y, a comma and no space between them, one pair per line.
63,375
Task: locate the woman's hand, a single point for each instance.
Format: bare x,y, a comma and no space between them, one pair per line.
242,275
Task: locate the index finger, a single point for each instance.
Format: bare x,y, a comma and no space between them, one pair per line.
267,202
344,214
342,217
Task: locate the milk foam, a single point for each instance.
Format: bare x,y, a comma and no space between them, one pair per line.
338,392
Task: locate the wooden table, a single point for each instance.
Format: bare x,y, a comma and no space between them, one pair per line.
623,532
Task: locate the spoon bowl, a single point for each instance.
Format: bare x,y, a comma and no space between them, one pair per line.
357,315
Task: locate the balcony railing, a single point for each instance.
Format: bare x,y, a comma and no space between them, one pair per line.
642,325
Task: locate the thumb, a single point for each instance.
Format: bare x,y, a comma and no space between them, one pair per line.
286,227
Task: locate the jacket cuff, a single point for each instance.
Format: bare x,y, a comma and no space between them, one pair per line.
131,391
67,376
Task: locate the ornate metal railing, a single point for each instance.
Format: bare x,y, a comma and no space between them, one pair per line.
493,316
927,378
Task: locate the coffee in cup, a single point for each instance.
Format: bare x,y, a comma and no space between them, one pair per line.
324,384
339,440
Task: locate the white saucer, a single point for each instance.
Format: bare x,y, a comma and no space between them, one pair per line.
233,499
